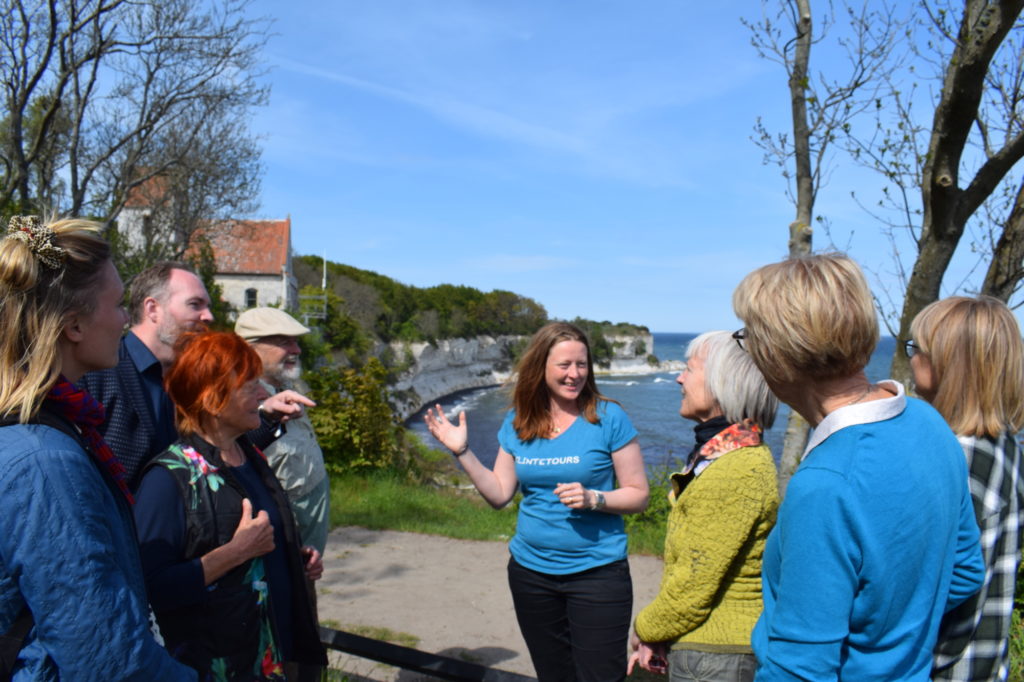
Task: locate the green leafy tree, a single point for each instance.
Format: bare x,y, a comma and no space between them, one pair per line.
393,311
337,330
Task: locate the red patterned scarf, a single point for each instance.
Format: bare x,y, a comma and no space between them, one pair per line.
77,406
742,434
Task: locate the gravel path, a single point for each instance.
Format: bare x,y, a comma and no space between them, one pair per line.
452,595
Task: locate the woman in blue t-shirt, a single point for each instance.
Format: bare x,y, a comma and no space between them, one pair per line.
564,445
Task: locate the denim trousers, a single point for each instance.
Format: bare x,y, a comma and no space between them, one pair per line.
575,626
685,665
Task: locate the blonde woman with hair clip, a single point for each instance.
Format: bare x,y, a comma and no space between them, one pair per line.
72,599
565,446
968,361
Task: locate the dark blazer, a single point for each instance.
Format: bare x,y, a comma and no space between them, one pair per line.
130,426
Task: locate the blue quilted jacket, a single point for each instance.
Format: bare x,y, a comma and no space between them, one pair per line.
68,549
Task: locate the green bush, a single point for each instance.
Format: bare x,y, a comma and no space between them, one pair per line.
336,331
354,423
646,530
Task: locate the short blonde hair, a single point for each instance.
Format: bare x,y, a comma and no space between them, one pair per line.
809,317
977,358
733,380
35,301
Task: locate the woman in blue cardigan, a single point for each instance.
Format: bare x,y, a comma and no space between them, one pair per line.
876,537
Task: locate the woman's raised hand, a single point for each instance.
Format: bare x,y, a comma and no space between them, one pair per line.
452,436
254,535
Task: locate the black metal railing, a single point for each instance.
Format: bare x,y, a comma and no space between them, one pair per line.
442,667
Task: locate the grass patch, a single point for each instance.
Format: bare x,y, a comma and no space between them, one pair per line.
646,530
1016,647
384,634
386,501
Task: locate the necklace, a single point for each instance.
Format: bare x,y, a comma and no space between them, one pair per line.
556,429
860,397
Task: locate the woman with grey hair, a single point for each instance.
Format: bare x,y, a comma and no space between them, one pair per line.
724,503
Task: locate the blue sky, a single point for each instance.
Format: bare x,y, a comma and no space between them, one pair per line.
594,156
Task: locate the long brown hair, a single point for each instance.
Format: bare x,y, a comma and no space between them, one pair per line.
531,398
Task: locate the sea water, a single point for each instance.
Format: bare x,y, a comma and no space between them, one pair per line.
651,401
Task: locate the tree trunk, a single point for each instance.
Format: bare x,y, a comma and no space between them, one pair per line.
933,258
797,433
1007,267
800,233
947,207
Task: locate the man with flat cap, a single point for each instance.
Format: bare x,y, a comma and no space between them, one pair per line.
295,457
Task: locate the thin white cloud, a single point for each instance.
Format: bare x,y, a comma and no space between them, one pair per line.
482,120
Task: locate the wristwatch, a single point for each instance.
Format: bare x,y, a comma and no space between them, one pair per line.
598,500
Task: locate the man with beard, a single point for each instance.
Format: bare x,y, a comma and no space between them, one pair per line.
295,457
166,300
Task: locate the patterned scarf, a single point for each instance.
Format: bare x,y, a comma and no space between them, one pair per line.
742,434
77,406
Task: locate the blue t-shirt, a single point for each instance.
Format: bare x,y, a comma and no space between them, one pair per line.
550,537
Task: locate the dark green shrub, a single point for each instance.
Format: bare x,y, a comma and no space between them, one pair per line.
354,423
646,530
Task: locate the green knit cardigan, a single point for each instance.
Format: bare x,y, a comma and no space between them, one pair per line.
710,595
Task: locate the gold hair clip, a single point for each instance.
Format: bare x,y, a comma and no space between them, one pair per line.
38,237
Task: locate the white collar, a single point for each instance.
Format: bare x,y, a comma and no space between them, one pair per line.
858,413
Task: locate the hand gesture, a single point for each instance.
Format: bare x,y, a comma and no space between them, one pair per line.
285,405
254,535
574,495
313,563
452,436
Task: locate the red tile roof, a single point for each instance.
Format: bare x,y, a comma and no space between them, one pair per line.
148,193
250,246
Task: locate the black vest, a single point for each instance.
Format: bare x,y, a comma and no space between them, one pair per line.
227,624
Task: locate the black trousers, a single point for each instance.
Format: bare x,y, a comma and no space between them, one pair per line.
576,626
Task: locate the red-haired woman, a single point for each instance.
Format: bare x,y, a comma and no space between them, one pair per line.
564,445
221,556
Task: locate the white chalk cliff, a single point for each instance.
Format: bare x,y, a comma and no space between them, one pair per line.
453,365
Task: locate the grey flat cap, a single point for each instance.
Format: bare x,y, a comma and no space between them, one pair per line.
256,323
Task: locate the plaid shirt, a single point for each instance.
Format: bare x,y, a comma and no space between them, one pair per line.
974,638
